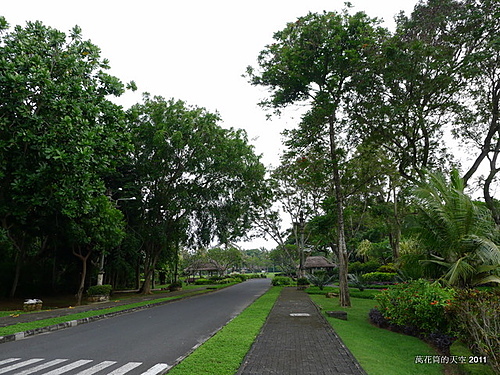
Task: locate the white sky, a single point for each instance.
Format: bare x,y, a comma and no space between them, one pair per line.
193,50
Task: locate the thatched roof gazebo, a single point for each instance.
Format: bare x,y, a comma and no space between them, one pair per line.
314,263
208,266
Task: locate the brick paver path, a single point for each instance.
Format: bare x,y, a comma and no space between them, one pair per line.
297,340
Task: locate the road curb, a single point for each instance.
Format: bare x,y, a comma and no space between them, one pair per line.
73,323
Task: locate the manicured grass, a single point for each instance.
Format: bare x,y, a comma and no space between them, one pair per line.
353,292
21,327
380,352
223,353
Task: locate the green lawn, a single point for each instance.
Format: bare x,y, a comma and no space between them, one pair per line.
380,352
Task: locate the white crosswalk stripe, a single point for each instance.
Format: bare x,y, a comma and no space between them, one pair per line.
68,367
19,366
43,366
156,369
126,368
8,360
95,369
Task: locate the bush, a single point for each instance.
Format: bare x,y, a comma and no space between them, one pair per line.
319,279
239,276
378,277
475,317
175,285
366,267
202,281
302,281
388,268
100,290
417,304
282,281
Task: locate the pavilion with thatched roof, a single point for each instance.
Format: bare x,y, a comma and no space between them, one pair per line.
204,266
315,263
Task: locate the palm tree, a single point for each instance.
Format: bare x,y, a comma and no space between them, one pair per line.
458,234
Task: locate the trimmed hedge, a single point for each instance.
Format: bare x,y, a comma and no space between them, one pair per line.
100,290
378,277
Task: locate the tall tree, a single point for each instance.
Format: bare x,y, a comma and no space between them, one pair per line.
198,181
319,60
59,132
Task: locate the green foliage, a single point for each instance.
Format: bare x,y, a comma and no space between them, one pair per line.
282,281
100,290
475,318
319,278
458,234
303,281
387,268
202,281
378,277
418,304
366,267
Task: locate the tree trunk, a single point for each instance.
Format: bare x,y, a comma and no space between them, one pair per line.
344,297
83,258
395,235
15,282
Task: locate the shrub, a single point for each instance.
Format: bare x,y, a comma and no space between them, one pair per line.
282,281
389,268
202,281
319,279
475,317
378,277
417,304
175,285
366,267
100,290
239,276
302,281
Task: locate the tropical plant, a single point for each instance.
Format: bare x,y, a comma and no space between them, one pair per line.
457,233
319,279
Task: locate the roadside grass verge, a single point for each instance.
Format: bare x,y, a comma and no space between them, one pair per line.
224,353
379,351
21,327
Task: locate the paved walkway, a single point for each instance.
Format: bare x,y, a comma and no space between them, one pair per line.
297,340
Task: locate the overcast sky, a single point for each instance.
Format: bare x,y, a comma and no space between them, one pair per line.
193,50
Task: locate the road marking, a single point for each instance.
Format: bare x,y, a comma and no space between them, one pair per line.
96,368
125,368
20,364
41,367
72,367
9,360
69,367
156,369
300,314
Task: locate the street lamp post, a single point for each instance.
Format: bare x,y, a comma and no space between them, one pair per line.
100,275
301,244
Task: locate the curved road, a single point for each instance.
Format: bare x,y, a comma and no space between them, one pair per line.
148,341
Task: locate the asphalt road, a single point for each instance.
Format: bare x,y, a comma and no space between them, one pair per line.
144,342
